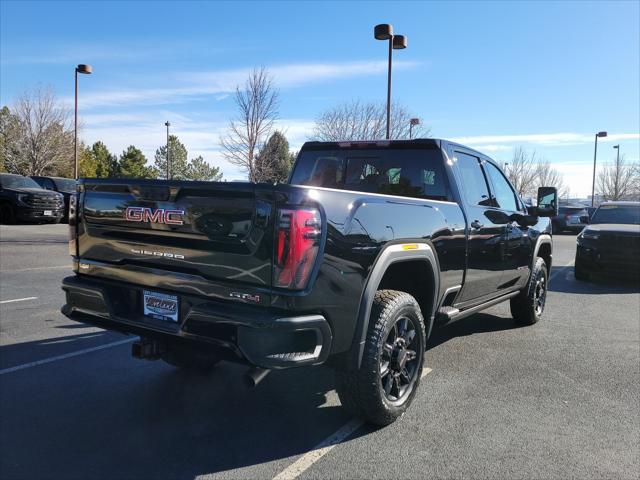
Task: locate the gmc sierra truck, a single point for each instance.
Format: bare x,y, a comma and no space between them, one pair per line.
350,264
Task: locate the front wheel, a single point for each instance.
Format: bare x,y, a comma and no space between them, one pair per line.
384,386
527,308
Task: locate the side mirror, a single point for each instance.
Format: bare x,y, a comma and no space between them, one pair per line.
547,202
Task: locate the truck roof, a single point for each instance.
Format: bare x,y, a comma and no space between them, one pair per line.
437,142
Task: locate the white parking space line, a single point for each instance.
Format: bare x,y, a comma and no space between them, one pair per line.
18,300
557,272
66,355
298,467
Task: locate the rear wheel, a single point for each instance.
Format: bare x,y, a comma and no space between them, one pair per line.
7,215
189,360
384,386
527,308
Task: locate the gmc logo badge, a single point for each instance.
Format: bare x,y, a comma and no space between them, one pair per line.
151,215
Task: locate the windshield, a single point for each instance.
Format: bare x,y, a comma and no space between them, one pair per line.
65,184
404,172
17,181
628,214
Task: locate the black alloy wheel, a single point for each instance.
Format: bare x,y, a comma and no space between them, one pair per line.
399,360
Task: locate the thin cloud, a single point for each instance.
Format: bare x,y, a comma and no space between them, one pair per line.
551,139
491,148
297,74
222,83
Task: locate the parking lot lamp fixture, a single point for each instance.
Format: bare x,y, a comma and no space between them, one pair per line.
384,31
617,147
595,153
87,70
412,122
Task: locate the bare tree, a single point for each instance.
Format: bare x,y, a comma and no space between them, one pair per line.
547,176
257,106
364,121
41,140
521,170
619,180
527,172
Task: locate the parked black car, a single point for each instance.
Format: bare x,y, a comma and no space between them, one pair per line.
349,264
570,219
65,186
611,242
21,198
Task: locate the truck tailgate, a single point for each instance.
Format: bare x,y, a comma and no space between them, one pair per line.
220,232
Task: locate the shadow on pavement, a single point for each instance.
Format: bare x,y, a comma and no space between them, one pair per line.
478,323
105,415
563,281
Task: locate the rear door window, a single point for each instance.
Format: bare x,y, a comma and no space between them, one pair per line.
403,172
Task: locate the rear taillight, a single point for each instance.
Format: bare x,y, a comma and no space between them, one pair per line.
73,230
298,234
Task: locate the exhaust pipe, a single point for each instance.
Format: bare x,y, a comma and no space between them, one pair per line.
255,375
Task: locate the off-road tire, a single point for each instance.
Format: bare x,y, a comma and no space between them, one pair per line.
187,360
528,307
361,391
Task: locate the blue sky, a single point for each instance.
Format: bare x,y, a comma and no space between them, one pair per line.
493,75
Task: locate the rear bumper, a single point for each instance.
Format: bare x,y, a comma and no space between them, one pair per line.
253,335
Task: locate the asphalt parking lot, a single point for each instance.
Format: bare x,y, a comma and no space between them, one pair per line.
555,400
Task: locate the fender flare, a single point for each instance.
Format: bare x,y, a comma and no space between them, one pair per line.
542,239
393,254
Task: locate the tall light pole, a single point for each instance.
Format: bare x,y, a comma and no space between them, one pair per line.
595,153
412,122
167,124
384,31
617,147
84,69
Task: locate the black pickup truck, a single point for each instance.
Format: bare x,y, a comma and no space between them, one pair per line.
350,264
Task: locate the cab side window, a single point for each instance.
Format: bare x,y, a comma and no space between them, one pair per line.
504,195
474,183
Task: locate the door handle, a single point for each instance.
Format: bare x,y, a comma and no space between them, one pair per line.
476,225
